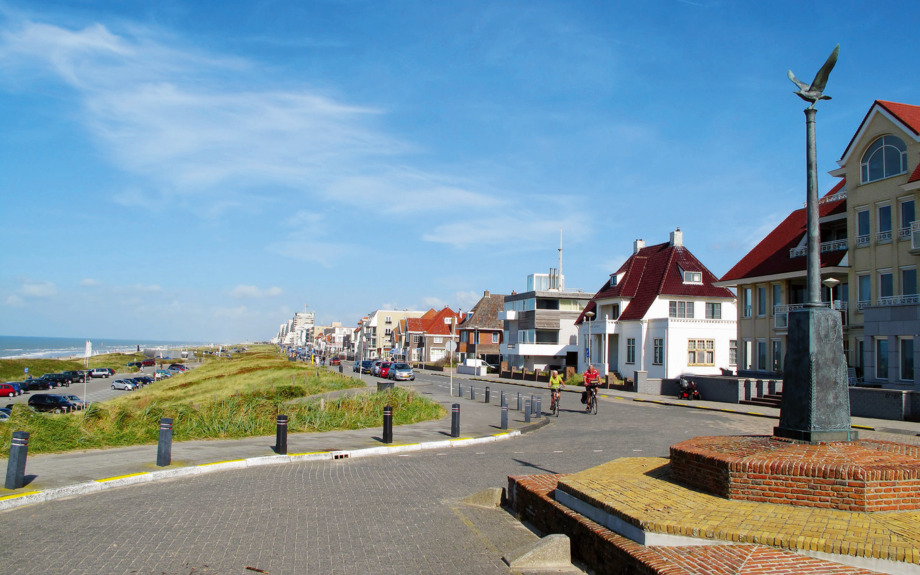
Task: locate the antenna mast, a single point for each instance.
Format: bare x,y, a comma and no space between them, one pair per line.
561,280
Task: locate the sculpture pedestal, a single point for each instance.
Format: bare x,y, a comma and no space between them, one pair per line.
816,396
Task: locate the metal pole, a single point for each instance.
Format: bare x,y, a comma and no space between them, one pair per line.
164,445
539,409
281,435
472,392
519,401
455,420
487,394
16,466
504,401
527,411
388,424
504,417
813,269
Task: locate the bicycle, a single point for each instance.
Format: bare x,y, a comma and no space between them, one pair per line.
554,403
592,401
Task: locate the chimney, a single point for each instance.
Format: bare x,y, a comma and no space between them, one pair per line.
485,293
638,245
677,238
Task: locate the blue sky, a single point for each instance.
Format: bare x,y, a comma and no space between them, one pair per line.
202,170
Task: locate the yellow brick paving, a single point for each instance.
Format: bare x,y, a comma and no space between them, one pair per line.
638,491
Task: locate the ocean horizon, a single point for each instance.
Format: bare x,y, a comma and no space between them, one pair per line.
26,347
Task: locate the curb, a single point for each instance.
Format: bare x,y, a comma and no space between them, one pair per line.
31,497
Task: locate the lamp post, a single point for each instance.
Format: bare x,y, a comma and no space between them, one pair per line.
831,283
590,315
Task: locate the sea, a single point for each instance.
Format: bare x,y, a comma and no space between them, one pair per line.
20,347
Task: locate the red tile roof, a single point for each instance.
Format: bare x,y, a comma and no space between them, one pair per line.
771,255
432,322
909,115
654,271
915,176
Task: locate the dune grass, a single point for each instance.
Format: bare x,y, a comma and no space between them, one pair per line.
235,398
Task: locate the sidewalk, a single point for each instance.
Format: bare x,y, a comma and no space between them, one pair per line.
51,476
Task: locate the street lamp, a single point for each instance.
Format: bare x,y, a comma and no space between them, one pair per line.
590,316
831,283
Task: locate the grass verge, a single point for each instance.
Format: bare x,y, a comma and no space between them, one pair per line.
220,400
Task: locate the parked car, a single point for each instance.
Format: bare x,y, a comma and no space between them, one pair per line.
124,384
50,402
367,365
142,363
5,414
76,401
57,379
384,369
7,390
101,372
162,374
178,366
37,384
335,361
19,386
375,370
401,372
75,376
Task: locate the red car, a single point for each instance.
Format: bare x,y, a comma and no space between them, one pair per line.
335,361
7,390
385,369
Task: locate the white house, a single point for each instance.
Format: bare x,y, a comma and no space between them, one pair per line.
659,313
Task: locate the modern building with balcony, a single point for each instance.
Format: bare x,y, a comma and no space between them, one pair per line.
872,211
659,314
770,282
539,329
376,336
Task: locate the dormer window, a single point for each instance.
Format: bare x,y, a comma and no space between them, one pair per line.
885,157
693,277
613,280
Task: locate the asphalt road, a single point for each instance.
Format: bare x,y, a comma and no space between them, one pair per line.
392,514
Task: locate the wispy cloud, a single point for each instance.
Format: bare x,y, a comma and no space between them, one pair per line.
254,292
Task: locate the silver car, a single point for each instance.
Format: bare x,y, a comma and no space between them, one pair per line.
124,384
401,372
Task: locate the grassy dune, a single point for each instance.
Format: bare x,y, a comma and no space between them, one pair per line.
224,398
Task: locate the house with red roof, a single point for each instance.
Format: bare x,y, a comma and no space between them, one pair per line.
481,330
427,338
870,245
659,316
376,337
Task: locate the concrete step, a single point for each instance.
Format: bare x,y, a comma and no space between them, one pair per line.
761,401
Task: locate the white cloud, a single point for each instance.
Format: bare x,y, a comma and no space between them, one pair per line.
89,282
250,292
41,289
14,300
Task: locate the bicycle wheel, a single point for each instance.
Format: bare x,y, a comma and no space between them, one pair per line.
594,403
556,406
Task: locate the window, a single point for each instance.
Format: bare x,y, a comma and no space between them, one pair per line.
388,319
906,345
615,311
884,223
631,350
713,311
547,304
748,354
886,157
681,309
777,295
777,355
701,352
733,352
746,308
761,301
761,355
416,338
906,209
463,336
547,336
613,280
438,340
862,227
881,358
885,284
658,356
494,337
909,281
864,289
693,277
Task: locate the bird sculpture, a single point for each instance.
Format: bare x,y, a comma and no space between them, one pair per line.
815,91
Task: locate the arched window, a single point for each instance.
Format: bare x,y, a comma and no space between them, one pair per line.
886,157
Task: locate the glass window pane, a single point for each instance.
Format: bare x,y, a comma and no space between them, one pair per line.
909,281
884,218
885,285
881,358
907,359
865,291
907,213
862,223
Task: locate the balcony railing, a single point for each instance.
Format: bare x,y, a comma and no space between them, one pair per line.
904,233
781,312
862,241
883,236
831,246
898,299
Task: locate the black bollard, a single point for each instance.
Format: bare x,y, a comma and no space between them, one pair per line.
281,435
487,394
164,446
527,411
504,417
16,466
455,420
459,390
340,369
472,392
388,424
519,401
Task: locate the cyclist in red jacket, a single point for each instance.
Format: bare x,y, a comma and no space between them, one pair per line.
592,379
